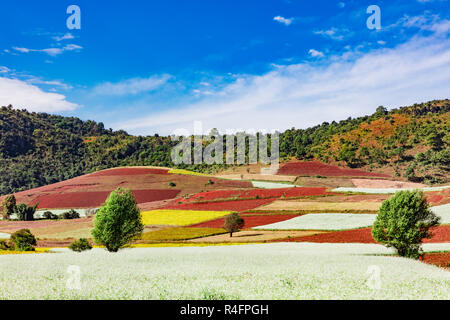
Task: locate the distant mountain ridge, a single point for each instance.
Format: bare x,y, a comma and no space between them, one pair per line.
37,149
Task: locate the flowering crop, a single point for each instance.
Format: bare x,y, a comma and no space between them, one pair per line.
323,221
260,271
188,172
179,217
385,190
443,212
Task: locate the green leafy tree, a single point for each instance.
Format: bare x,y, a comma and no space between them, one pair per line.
233,223
403,221
118,221
9,206
24,212
23,240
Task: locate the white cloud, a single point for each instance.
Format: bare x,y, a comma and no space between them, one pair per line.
22,94
302,95
334,33
50,51
131,86
285,21
341,4
67,36
4,69
381,42
316,53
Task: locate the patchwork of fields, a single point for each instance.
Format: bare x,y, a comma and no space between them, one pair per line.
297,239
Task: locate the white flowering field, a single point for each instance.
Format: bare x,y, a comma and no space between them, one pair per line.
4,235
385,190
271,185
265,271
323,221
442,211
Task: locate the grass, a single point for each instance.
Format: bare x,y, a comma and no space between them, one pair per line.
179,217
181,233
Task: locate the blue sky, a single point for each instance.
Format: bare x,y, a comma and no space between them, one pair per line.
158,66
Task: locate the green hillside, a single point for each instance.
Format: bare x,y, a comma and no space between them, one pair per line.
38,149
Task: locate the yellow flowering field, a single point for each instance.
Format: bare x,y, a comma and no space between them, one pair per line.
178,233
188,172
179,217
37,250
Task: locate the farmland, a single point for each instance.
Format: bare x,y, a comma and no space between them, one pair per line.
295,240
264,271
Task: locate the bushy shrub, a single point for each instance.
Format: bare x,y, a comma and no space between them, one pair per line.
118,221
403,221
71,214
79,245
233,223
50,215
4,245
23,240
24,212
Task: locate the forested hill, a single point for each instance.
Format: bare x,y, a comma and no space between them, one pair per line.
38,149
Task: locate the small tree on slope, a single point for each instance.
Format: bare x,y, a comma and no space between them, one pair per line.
118,221
9,206
233,223
403,221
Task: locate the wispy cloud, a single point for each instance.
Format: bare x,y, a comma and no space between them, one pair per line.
305,94
334,33
285,21
50,51
131,86
67,36
22,94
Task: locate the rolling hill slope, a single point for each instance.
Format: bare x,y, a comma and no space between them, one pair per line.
412,143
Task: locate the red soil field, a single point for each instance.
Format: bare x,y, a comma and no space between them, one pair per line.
128,172
103,181
236,205
311,168
440,259
254,193
364,235
250,221
96,198
434,199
